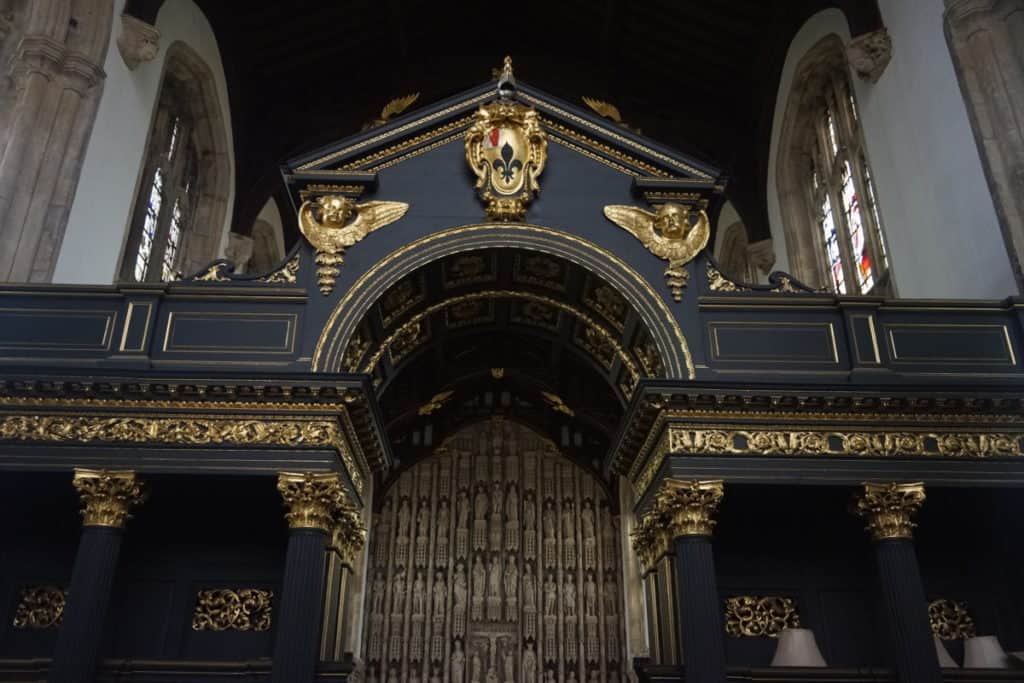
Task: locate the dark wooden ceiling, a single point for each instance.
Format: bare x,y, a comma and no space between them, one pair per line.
697,75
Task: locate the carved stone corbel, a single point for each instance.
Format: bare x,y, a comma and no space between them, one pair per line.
870,53
138,41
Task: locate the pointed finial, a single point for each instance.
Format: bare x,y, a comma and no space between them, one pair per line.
507,81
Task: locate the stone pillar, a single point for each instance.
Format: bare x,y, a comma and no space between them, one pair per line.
317,506
984,38
674,537
887,508
58,75
107,498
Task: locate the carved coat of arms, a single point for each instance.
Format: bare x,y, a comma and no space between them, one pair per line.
506,149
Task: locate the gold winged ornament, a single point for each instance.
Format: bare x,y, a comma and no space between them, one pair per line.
668,234
391,109
325,222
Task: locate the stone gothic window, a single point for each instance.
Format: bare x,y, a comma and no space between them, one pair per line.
178,218
832,222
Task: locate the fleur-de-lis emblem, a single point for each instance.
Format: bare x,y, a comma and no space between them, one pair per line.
506,165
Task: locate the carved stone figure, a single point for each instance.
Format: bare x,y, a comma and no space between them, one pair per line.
460,590
512,502
480,505
529,590
440,594
611,597
510,667
398,592
404,517
442,520
529,513
423,521
550,597
568,523
458,663
435,675
494,580
392,675
496,501
463,508
590,597
511,580
569,596
419,597
587,522
549,521
378,594
476,668
529,664
479,582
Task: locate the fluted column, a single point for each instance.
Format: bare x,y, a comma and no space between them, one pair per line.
107,498
984,38
317,506
888,509
678,528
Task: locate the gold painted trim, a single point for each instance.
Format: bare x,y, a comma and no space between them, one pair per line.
107,337
396,132
356,301
291,320
890,328
128,324
769,358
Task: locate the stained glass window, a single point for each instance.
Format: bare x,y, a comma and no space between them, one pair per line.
855,227
164,219
828,228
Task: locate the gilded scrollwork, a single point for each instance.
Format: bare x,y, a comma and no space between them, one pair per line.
668,233
758,616
286,274
507,149
40,607
950,619
332,223
224,609
888,508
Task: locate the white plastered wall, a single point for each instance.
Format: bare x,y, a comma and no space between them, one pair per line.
272,215
939,220
98,223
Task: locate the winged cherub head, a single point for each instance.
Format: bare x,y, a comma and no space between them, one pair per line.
672,221
335,210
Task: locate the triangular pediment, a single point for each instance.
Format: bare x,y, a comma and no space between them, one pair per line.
350,166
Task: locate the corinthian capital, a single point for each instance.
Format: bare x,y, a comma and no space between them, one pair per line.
349,534
887,508
313,500
687,506
108,496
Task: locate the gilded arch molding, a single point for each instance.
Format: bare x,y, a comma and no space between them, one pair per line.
342,322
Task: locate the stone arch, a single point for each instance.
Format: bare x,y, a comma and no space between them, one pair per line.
195,88
495,554
664,329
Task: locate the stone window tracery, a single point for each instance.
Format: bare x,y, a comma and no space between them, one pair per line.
178,218
832,222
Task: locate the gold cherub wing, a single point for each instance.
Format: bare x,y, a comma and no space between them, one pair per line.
636,221
605,109
331,239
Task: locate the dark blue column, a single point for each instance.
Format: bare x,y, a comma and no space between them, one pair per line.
107,497
701,630
297,642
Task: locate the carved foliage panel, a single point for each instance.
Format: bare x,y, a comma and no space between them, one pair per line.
495,561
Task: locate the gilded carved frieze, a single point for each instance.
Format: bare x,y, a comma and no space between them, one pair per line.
40,607
755,616
495,560
224,609
950,619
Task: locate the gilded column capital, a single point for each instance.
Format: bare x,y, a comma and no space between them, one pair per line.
687,506
887,508
108,496
313,499
680,508
349,534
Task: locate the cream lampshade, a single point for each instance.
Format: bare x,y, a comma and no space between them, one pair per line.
945,661
797,647
984,652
